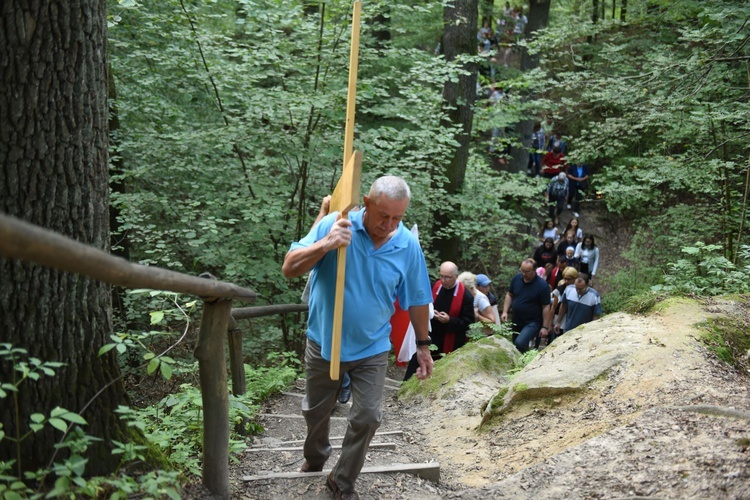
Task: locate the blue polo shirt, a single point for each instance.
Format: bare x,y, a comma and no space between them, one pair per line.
528,299
374,279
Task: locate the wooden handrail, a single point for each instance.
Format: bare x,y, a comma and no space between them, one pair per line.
24,241
260,311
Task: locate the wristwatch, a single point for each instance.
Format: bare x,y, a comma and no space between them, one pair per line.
427,341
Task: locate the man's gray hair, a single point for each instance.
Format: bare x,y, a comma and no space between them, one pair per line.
394,188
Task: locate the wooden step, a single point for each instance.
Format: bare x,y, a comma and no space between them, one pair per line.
429,471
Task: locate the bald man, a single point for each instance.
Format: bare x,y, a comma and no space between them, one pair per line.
454,312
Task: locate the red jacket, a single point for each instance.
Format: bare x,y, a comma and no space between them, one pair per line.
553,163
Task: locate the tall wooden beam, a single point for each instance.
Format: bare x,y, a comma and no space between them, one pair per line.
346,194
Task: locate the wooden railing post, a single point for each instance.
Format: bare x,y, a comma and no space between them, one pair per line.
236,361
212,364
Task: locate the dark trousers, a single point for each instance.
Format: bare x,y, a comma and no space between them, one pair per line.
535,164
556,206
576,194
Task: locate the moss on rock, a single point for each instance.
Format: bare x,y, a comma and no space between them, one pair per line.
494,356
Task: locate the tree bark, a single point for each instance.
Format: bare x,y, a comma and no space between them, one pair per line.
595,11
459,37
538,19
623,10
53,152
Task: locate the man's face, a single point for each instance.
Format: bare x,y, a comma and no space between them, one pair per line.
527,271
448,275
581,285
383,216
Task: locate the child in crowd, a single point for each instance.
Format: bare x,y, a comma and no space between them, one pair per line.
573,261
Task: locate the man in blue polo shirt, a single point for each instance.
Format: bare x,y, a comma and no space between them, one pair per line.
581,303
529,297
384,262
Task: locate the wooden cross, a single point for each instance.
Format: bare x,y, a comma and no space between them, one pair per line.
346,194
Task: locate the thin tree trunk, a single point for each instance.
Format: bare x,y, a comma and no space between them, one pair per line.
595,11
459,37
538,19
623,10
487,7
54,173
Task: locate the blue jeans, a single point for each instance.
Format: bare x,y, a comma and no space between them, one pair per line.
526,333
535,163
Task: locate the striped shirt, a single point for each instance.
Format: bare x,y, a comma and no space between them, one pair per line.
581,308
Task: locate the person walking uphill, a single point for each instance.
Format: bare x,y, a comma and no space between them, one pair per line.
529,297
557,193
454,312
384,260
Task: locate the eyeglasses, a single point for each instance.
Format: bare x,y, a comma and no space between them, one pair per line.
447,277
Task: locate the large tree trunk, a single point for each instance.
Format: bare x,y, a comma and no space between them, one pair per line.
459,37
538,18
53,152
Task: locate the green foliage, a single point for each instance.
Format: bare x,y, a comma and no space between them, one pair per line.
69,472
642,302
263,382
704,271
524,360
231,134
491,219
728,338
175,425
658,107
478,331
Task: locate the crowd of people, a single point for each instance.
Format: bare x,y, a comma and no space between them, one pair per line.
551,293
497,42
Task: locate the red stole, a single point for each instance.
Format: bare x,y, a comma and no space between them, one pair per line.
449,341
